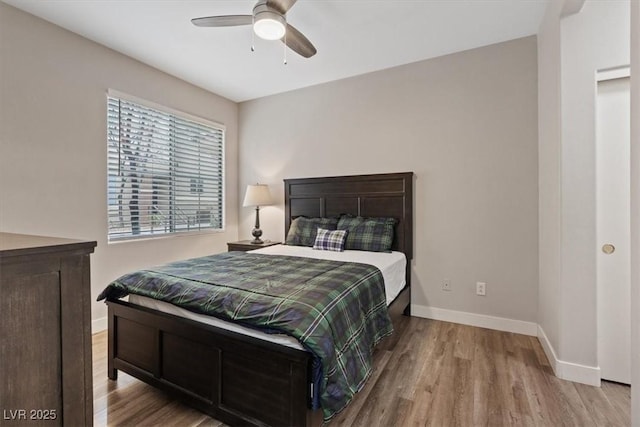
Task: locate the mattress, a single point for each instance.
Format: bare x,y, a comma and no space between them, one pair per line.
392,265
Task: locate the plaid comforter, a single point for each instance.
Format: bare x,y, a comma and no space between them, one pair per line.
337,310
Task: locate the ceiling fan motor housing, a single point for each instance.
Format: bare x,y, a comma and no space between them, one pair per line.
268,23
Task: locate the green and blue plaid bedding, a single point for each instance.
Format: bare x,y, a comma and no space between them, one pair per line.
337,310
303,230
330,240
368,234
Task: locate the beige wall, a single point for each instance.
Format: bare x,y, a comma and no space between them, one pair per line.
549,197
53,85
466,124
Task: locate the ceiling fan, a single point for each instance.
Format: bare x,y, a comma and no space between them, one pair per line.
269,22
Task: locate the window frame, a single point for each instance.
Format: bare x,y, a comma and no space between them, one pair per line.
112,93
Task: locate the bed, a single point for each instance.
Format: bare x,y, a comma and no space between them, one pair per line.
236,377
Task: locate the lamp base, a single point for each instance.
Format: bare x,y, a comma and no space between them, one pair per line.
256,233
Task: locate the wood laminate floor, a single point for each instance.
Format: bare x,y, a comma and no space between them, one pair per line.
438,374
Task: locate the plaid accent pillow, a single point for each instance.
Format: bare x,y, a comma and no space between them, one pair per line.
330,240
302,231
368,234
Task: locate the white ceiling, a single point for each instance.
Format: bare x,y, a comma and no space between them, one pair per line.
352,36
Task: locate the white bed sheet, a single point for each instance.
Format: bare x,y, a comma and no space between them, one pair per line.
392,265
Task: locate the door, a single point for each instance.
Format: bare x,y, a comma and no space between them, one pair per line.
613,229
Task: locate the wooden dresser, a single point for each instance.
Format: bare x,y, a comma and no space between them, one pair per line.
45,331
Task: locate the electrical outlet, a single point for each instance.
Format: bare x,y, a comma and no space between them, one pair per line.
481,288
446,285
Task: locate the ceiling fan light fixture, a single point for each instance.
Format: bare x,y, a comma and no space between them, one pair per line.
269,25
269,22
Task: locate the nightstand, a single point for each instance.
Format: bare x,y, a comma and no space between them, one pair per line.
246,245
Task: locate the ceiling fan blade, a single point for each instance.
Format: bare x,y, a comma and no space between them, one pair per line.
297,42
281,6
223,21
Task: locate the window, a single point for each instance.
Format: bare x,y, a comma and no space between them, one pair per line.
165,171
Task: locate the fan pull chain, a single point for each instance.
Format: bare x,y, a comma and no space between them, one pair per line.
253,35
285,48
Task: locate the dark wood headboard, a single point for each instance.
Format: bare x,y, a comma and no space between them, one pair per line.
380,195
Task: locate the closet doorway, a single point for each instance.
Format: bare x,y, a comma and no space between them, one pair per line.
613,226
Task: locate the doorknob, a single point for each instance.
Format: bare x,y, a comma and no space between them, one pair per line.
608,248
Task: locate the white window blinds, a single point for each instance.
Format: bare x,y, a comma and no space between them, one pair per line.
165,172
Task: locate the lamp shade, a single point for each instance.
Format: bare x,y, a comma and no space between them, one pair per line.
257,195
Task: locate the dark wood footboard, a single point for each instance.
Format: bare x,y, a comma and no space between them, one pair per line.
232,377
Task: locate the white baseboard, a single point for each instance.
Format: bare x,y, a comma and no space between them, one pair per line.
548,350
579,373
473,319
584,374
98,325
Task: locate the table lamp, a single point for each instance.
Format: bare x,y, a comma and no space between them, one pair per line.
257,195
